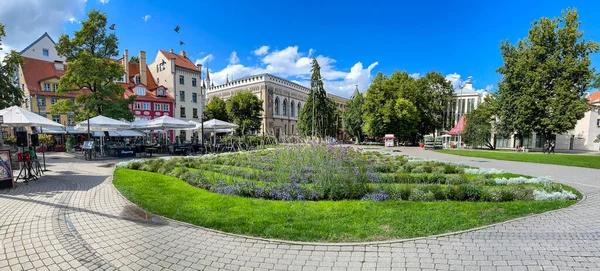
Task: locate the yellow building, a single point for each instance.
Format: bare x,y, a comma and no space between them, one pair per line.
39,82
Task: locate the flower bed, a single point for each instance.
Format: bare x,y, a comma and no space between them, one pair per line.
319,172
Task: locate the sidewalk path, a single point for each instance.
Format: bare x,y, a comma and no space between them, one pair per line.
74,219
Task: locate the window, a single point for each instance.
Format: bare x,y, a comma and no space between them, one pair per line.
193,82
182,112
195,112
165,107
161,92
598,123
292,129
292,113
54,87
146,106
56,118
41,101
137,79
285,108
137,106
70,120
298,105
276,112
161,66
194,97
182,96
45,52
181,79
157,80
140,91
22,86
53,100
156,107
46,87
123,79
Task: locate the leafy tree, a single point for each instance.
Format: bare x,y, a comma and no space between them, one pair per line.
407,115
545,77
10,93
216,109
436,93
378,107
90,67
352,116
597,140
134,59
478,128
325,118
245,109
63,106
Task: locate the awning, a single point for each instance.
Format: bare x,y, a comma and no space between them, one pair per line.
124,133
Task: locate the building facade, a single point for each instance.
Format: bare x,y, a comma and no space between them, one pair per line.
183,81
282,101
42,49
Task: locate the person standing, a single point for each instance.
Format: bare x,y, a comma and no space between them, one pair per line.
546,146
552,146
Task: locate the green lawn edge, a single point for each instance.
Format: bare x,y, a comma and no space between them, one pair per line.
574,160
322,221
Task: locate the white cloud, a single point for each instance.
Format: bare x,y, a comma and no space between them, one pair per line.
27,20
74,21
104,2
263,50
146,17
457,82
205,60
415,75
294,65
489,88
233,58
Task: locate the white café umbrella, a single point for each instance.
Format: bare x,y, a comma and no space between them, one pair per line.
15,116
164,122
215,125
102,124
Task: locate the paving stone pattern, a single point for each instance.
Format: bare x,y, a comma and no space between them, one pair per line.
74,219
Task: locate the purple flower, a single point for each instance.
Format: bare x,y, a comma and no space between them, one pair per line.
381,196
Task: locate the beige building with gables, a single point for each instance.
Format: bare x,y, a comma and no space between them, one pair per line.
282,101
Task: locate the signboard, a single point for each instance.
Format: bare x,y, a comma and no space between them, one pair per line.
6,173
389,140
88,145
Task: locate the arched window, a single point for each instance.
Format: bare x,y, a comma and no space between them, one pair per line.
299,108
285,107
292,109
276,106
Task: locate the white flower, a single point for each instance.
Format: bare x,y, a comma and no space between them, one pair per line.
544,195
483,171
523,180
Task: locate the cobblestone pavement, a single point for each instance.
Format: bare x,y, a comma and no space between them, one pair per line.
73,219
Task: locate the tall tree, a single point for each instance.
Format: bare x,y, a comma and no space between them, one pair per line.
245,109
378,107
10,93
325,118
545,77
478,128
90,67
216,109
352,116
434,95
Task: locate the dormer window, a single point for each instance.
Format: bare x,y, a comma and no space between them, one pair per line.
140,91
46,87
137,79
161,92
45,52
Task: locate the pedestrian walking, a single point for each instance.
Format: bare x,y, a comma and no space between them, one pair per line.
552,146
546,146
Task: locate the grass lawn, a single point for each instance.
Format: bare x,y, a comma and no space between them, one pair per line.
587,161
329,221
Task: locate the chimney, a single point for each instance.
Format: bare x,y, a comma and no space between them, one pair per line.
143,75
126,65
469,85
172,65
183,54
171,50
58,65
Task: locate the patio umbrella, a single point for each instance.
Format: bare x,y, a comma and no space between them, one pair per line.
15,116
164,122
102,124
215,125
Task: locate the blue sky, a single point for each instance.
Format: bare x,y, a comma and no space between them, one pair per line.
348,37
